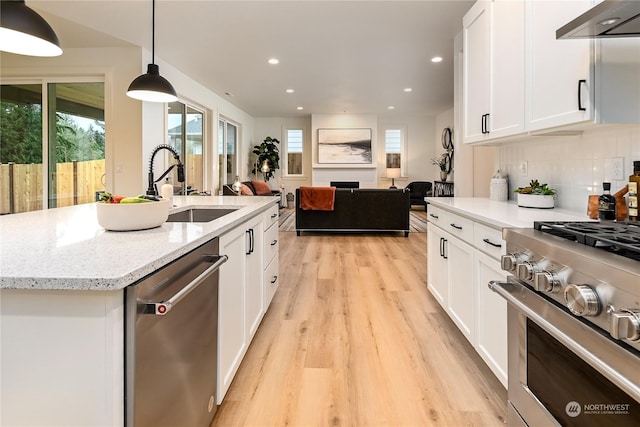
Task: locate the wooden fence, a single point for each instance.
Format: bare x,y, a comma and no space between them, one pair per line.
21,185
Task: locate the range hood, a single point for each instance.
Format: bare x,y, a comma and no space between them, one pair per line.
611,18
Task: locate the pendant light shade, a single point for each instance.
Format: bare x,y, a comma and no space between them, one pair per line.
152,86
24,32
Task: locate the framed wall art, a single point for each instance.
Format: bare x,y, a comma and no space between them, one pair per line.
345,146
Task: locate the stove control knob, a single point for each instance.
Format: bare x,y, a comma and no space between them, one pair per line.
546,281
509,262
582,300
625,325
525,270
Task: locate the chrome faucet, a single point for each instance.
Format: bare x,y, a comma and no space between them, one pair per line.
153,189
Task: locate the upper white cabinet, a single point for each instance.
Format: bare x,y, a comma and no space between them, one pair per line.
560,80
494,49
518,80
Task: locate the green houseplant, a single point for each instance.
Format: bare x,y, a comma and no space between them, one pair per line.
536,195
267,151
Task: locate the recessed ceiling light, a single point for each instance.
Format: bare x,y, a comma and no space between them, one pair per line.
290,91
391,107
609,21
436,59
273,61
407,89
300,108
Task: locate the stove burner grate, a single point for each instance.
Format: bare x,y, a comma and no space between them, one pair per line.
622,238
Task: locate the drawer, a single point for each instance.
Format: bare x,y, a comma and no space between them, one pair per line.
436,216
271,281
488,240
458,226
271,216
271,245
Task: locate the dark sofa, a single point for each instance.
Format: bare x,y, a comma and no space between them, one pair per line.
358,210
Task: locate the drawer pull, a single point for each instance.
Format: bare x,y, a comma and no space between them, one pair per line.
274,215
489,242
457,227
274,280
275,241
433,216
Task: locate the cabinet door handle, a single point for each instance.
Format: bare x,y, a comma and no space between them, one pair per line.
444,249
434,216
251,248
275,241
482,124
580,106
489,242
274,280
457,227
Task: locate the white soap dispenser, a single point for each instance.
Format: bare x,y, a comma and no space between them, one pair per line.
166,191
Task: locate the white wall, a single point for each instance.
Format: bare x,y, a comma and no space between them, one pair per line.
574,165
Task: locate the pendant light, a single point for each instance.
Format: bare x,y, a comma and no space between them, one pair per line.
152,86
24,32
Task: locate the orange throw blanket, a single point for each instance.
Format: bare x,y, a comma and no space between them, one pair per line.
317,198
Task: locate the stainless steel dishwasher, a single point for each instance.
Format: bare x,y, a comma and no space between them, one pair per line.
171,342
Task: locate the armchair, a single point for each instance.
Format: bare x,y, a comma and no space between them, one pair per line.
418,190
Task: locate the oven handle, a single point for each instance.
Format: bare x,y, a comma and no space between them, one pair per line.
517,295
163,307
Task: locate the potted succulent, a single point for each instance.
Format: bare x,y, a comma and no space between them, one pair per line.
536,195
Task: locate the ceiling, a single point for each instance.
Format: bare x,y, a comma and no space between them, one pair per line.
337,56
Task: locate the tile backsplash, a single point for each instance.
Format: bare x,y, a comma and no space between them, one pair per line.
576,166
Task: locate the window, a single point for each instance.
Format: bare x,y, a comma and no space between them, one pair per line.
227,151
394,149
52,144
294,151
186,135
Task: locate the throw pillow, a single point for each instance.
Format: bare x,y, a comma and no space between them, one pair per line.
245,190
261,187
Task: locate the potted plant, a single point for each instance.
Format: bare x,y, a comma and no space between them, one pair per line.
442,164
536,195
267,152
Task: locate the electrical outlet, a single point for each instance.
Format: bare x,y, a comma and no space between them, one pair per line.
524,168
618,168
614,169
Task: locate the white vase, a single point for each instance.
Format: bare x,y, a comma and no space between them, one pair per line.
539,201
443,176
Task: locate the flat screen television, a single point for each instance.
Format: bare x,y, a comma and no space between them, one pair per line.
345,184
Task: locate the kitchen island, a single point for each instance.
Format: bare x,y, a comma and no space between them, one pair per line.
62,281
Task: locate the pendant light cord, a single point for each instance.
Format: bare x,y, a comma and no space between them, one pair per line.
153,31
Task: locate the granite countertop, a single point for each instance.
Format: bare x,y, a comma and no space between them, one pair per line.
65,248
503,214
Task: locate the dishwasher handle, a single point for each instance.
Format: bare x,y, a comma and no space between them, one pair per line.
163,307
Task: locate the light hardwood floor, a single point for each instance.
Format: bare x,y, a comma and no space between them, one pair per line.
353,338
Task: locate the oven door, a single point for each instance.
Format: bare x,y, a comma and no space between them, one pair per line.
562,371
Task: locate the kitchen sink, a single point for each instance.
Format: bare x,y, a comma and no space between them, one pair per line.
199,214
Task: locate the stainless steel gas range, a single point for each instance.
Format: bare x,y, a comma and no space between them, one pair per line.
574,324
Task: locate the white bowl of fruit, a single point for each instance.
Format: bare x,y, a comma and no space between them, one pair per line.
119,213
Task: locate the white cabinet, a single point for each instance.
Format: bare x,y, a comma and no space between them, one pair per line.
461,286
493,88
519,80
438,277
463,256
271,249
560,84
255,289
240,296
